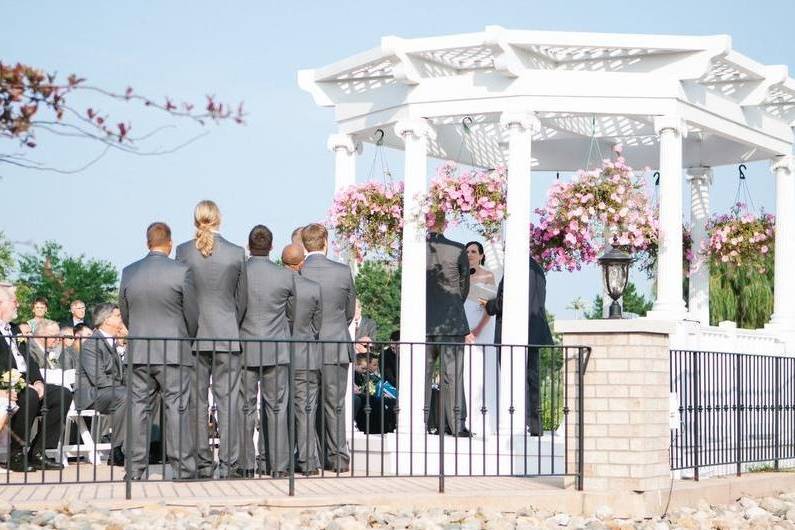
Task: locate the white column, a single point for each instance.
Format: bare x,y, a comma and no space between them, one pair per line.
783,317
412,290
345,149
669,304
700,179
521,127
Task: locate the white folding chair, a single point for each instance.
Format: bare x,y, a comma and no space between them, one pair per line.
91,447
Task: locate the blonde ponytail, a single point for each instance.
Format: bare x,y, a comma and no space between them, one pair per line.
206,219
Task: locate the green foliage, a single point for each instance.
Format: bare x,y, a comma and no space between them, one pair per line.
6,257
741,294
378,290
633,302
59,278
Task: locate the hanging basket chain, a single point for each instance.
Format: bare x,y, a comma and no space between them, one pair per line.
743,194
378,156
593,143
466,125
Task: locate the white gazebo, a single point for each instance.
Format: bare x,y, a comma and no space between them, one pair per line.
538,100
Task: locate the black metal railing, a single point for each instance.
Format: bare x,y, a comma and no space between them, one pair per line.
733,409
149,409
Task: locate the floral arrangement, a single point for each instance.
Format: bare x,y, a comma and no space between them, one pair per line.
475,198
690,260
367,220
573,225
12,380
740,238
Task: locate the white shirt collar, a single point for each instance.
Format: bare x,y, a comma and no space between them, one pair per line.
313,253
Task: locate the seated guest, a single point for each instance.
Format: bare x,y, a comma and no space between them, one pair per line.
40,306
362,329
374,394
45,347
30,399
70,355
100,383
77,310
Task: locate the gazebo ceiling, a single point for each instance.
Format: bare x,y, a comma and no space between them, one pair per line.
589,90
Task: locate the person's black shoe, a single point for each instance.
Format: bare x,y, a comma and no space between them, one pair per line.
308,473
245,473
40,461
463,433
281,474
206,472
340,470
116,457
16,462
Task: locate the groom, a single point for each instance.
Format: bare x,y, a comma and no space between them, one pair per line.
447,286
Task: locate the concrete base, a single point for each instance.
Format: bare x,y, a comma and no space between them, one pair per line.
496,455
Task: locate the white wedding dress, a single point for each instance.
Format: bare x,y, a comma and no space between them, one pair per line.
481,371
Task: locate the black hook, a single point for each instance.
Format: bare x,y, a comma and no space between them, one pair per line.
380,139
656,177
742,169
557,176
467,123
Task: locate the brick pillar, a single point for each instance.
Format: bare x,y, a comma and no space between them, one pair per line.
626,402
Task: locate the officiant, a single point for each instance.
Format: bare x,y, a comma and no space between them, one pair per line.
538,334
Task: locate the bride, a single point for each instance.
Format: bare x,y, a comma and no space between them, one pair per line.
480,362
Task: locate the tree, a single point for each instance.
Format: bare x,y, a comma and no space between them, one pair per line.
579,306
60,278
33,101
6,257
378,290
632,302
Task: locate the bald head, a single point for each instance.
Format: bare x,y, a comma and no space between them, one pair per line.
293,256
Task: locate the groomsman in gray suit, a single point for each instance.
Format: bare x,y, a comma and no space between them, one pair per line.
157,299
447,284
307,361
271,296
338,297
219,276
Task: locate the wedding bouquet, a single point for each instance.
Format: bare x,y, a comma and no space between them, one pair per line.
11,381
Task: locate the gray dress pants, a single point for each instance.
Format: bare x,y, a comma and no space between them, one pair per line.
307,389
274,387
451,375
113,401
334,379
173,383
224,368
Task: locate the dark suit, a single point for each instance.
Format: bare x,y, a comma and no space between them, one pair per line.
56,402
100,383
307,362
220,282
271,298
538,333
70,322
338,297
447,286
158,300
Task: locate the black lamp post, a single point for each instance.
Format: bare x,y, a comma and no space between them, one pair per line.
615,274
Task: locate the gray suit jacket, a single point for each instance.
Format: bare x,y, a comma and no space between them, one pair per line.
157,299
338,297
447,286
100,367
306,324
220,281
271,297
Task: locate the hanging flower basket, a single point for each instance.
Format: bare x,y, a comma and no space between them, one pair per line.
474,198
740,239
367,220
572,226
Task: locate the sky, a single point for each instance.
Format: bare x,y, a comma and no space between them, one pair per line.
276,169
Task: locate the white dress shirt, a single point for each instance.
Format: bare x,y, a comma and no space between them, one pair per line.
5,329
